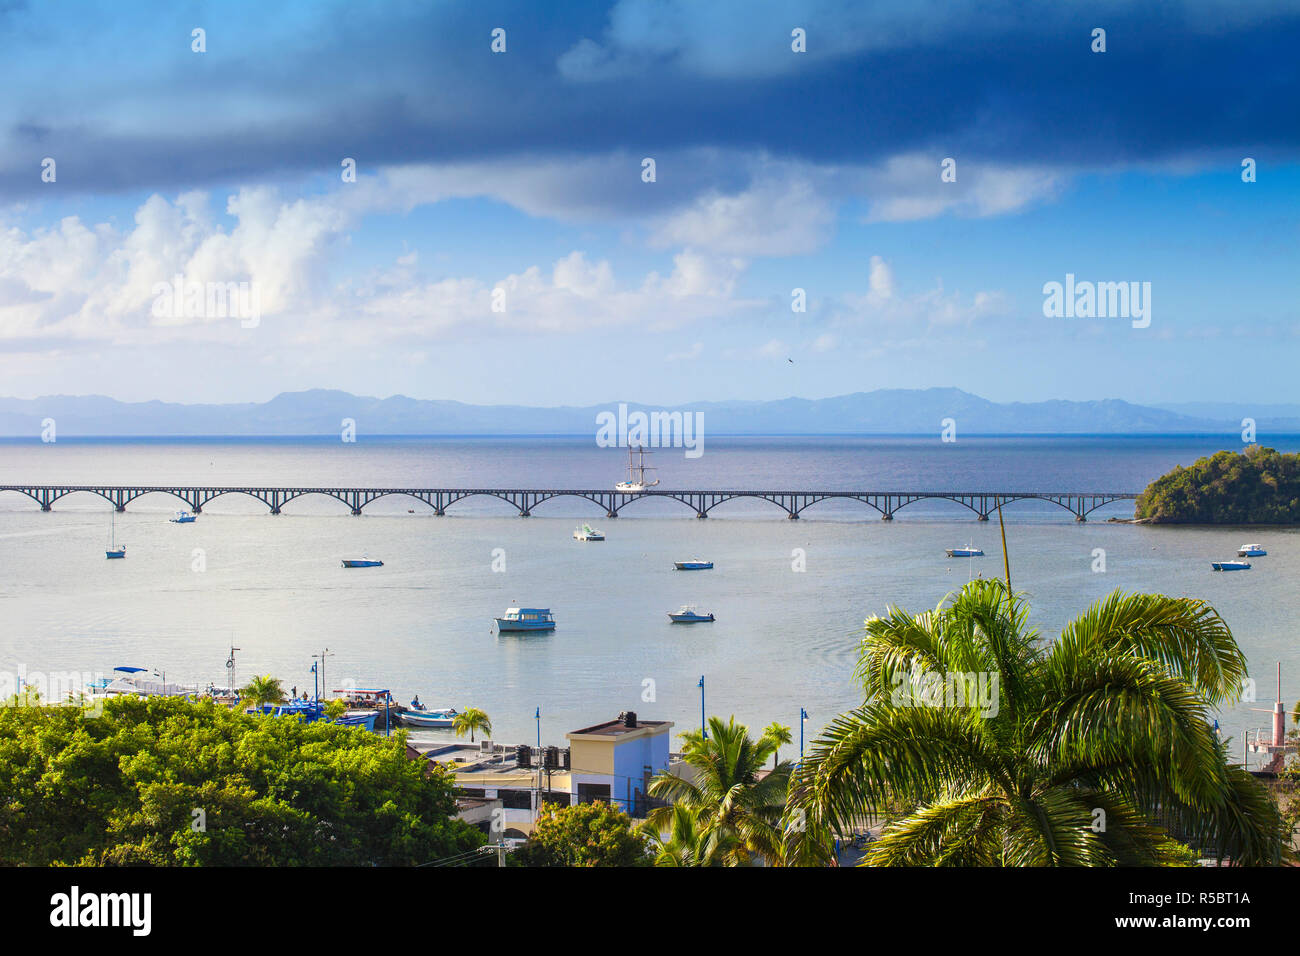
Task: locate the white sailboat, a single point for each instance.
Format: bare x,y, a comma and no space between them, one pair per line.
636,469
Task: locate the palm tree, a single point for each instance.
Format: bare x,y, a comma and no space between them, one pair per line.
472,719
686,843
1081,748
262,690
779,734
737,812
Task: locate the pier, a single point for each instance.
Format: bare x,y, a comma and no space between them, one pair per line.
981,503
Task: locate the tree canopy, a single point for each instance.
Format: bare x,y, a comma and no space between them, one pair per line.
164,781
1261,486
587,834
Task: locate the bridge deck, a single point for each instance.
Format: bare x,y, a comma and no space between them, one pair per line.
982,503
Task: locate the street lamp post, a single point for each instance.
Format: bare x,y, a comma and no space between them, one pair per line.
704,733
803,715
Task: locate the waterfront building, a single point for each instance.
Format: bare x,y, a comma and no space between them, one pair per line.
611,761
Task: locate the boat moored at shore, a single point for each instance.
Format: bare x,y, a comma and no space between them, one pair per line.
443,718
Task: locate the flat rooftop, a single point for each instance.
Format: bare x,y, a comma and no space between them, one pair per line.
616,728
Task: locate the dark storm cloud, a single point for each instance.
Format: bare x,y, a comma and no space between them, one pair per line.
134,109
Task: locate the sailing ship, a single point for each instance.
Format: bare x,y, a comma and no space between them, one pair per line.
114,550
636,469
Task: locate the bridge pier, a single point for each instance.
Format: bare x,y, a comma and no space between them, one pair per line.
983,517
701,514
793,516
611,514
438,512
887,516
45,507
1080,518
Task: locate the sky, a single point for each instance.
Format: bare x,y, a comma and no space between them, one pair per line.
502,240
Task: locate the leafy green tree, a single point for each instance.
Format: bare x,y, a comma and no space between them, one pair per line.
262,690
470,720
779,735
737,809
335,708
1089,742
1259,486
164,781
586,834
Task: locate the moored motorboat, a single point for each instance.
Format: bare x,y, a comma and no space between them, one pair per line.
694,565
183,517
588,533
687,614
526,619
1230,565
1251,551
966,552
444,717
362,563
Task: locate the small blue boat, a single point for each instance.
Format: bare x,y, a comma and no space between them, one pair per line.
966,552
696,565
687,614
1230,565
361,563
359,718
183,517
118,552
526,619
1251,551
311,711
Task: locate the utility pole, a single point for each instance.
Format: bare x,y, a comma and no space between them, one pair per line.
321,657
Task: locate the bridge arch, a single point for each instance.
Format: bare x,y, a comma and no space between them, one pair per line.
818,499
454,497
295,493
913,499
551,495
58,493
662,496
143,492
24,492
251,493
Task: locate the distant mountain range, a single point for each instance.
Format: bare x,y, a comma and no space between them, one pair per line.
882,412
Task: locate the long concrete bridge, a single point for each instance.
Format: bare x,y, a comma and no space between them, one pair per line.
982,503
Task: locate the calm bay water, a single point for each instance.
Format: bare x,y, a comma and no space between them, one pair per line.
422,624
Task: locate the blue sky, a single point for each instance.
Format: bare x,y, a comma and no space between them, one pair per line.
521,173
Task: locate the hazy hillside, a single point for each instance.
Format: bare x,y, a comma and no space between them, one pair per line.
320,412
